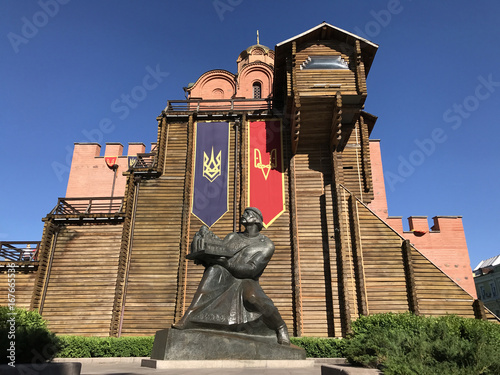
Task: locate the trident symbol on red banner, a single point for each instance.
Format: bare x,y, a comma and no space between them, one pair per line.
265,168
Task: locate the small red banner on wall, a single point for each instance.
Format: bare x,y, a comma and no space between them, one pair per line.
111,161
265,169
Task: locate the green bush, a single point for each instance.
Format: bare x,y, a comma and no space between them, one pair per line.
86,347
408,344
137,346
28,337
396,343
316,347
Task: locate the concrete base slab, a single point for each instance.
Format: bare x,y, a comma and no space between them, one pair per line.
49,368
194,344
103,360
348,370
226,364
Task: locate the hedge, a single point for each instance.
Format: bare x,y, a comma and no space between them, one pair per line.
86,347
24,337
138,346
407,344
317,347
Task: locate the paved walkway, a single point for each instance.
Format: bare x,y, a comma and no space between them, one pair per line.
133,369
132,366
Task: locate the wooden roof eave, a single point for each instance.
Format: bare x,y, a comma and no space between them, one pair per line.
368,48
369,120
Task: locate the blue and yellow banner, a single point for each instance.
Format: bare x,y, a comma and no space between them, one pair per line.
210,193
132,161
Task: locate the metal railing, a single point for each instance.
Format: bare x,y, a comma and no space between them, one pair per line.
200,105
144,161
104,205
19,251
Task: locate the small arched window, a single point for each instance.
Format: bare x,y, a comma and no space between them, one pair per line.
257,90
217,94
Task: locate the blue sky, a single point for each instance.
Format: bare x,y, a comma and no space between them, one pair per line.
65,66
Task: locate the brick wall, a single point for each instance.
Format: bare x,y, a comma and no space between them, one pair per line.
444,244
90,176
379,202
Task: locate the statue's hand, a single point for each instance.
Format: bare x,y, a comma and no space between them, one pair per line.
200,244
222,261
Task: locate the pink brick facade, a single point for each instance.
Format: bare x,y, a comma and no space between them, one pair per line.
216,84
443,244
379,202
90,176
255,67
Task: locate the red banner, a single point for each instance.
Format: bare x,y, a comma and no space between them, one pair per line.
265,169
111,161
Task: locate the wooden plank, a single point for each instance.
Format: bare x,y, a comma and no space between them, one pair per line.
316,296
297,284
165,218
186,220
85,280
410,277
358,256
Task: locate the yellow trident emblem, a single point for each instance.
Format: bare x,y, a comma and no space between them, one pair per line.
265,168
211,166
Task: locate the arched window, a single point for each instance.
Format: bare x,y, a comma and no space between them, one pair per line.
257,90
217,94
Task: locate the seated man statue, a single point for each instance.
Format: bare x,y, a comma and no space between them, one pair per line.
229,296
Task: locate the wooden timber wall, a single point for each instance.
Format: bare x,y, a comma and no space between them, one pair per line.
334,259
78,292
356,165
397,277
316,247
24,282
151,281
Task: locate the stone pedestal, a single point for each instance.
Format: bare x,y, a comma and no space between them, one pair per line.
194,344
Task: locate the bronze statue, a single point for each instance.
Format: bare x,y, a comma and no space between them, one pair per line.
229,296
